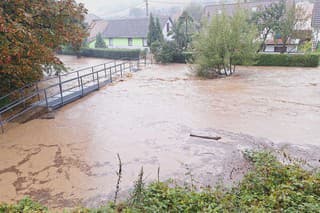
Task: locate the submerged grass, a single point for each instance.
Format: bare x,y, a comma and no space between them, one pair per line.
269,187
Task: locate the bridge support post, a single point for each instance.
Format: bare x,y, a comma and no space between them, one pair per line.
78,76
1,124
46,97
37,88
110,74
81,87
60,87
105,70
121,70
98,80
92,70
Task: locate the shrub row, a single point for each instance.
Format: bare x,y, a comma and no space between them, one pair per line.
288,60
105,53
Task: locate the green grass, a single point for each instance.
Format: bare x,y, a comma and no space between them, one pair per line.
270,187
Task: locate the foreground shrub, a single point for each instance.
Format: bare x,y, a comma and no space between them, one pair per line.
288,60
270,187
24,206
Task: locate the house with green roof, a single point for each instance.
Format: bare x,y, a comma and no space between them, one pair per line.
131,33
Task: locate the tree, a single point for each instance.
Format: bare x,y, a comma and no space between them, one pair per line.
155,31
293,18
223,43
30,32
267,20
195,10
158,33
100,42
151,31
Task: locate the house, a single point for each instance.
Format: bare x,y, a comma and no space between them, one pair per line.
276,45
131,33
96,27
316,24
231,8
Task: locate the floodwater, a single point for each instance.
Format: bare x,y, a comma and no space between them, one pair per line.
147,119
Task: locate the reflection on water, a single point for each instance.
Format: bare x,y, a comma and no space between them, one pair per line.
147,120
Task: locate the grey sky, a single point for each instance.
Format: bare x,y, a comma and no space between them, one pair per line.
109,7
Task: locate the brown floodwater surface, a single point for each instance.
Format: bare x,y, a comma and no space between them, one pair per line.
147,119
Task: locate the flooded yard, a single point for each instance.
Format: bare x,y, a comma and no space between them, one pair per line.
147,119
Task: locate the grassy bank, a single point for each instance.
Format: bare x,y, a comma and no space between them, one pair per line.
269,187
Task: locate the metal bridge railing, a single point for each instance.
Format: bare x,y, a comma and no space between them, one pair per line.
62,89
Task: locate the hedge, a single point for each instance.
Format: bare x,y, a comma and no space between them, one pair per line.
104,53
288,60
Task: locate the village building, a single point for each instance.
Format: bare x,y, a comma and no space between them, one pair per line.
130,33
316,24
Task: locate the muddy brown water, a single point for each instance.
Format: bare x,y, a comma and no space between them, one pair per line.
147,119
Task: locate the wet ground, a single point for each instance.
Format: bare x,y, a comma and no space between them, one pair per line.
147,119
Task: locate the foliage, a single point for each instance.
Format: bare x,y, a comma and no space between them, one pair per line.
30,31
269,187
288,60
267,20
111,53
26,205
100,43
223,43
173,51
155,31
306,47
195,10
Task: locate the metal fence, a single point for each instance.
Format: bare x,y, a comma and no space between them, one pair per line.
60,90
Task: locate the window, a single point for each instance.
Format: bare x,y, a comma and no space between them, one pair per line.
129,41
145,42
254,9
110,42
219,12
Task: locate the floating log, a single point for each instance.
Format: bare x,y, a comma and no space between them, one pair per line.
206,137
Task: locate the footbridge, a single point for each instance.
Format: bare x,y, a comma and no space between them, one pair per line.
55,92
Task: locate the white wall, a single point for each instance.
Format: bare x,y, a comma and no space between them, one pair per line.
165,33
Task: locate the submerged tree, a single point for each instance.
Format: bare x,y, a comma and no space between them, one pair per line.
100,42
223,43
30,32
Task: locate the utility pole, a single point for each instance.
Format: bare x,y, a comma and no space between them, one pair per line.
147,7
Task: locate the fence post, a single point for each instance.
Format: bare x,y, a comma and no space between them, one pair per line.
37,87
121,70
110,74
60,87
105,70
81,86
1,124
98,80
92,70
46,97
22,97
78,76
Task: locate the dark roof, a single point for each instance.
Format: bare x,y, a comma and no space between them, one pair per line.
231,8
316,14
129,28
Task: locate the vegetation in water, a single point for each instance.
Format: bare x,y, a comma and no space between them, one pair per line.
270,186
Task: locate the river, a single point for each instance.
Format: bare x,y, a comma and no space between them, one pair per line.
147,119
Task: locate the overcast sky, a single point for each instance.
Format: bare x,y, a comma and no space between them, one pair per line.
103,7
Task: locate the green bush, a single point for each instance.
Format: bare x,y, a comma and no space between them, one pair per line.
26,205
288,60
111,53
104,53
